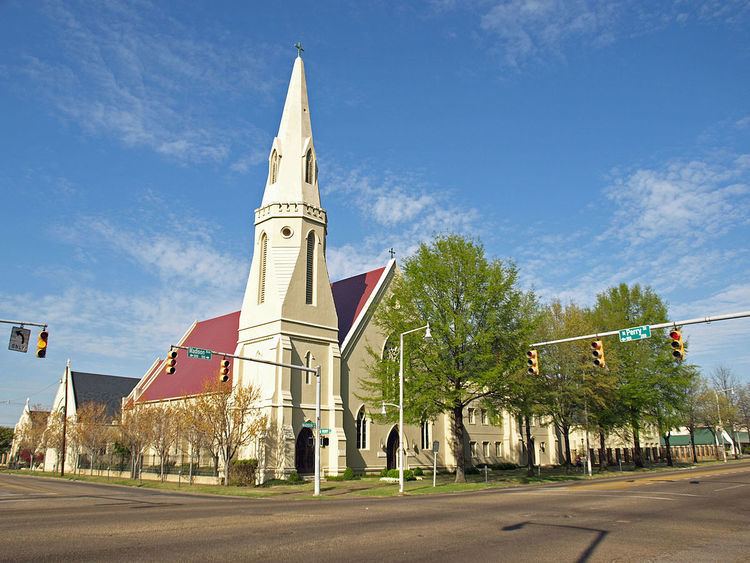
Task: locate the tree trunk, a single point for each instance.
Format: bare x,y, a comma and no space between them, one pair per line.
529,448
458,443
667,437
637,454
602,451
692,443
566,436
226,468
161,467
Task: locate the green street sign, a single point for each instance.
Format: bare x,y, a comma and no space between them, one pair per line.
199,353
325,430
635,333
308,424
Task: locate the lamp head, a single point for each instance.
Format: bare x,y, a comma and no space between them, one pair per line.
382,409
427,333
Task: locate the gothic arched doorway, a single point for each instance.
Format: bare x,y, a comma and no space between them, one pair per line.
392,449
304,452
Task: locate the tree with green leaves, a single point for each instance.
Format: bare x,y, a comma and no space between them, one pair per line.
6,439
575,392
643,369
691,408
481,325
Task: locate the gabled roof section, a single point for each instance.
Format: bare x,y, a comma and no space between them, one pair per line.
104,389
218,334
354,297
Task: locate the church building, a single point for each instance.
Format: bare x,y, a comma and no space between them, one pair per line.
292,314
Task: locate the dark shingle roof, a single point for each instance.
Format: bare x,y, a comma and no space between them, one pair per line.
105,389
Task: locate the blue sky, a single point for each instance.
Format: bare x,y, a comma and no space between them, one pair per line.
592,143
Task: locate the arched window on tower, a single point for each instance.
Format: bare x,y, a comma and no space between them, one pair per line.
310,273
274,166
263,268
308,363
362,429
309,164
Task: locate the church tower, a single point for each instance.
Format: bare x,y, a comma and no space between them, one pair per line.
288,313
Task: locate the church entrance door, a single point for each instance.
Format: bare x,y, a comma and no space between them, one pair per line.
392,449
304,452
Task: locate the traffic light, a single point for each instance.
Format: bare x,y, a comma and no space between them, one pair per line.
324,441
41,344
171,362
678,347
224,371
597,350
533,362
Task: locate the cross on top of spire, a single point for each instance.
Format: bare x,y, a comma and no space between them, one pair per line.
299,48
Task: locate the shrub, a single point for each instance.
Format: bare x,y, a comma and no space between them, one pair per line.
243,472
294,477
384,472
418,472
471,470
348,474
504,466
408,474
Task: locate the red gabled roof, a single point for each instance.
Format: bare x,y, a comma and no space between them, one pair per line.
350,296
219,334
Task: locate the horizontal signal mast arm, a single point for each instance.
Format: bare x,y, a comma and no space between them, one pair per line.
669,324
23,323
257,360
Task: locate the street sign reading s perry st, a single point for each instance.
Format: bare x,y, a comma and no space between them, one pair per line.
635,333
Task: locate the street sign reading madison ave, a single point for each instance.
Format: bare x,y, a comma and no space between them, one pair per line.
635,333
325,430
308,424
199,353
19,339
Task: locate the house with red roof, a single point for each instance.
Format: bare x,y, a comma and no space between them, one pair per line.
292,314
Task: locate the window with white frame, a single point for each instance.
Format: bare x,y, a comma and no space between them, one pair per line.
473,449
486,449
472,416
362,429
485,417
498,449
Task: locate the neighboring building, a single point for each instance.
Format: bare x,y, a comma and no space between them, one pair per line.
27,436
82,388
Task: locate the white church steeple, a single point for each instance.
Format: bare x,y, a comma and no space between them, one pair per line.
292,165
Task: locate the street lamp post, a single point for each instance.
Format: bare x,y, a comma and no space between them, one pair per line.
427,336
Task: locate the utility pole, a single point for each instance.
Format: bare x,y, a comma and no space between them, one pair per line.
65,419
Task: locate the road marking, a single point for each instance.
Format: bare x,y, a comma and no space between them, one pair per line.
727,488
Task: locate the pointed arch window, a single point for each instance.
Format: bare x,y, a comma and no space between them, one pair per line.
309,166
390,375
426,435
310,272
308,363
274,166
263,268
362,429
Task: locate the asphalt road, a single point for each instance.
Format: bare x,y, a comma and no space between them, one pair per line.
701,515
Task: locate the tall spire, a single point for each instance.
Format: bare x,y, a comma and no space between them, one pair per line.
292,177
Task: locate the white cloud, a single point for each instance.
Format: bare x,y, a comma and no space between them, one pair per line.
121,71
402,211
692,199
530,28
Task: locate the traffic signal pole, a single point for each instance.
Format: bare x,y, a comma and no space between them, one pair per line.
316,371
670,324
